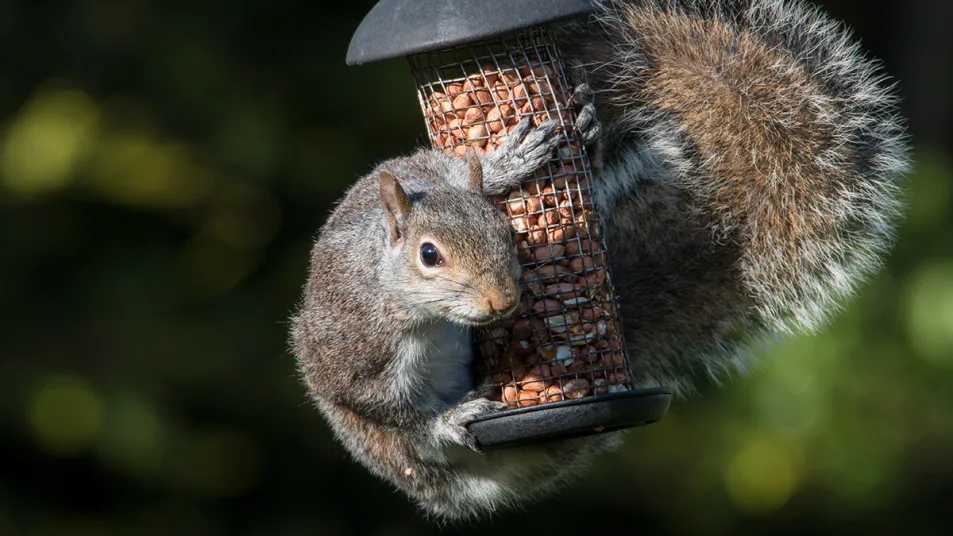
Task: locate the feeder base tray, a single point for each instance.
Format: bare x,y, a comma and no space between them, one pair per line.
571,418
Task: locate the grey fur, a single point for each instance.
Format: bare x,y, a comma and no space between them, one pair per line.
747,163
385,350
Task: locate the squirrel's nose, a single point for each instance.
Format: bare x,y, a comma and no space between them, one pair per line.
498,301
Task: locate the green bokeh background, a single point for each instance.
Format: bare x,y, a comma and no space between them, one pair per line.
163,169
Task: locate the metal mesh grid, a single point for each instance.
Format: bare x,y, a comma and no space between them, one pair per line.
565,339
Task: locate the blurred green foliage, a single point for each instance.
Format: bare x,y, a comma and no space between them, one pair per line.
163,169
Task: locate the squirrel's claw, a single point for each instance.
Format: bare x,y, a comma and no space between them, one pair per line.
587,124
460,415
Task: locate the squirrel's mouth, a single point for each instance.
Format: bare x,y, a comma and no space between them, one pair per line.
479,313
479,318
477,321
482,318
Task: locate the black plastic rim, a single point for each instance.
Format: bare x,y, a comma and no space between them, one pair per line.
571,418
395,28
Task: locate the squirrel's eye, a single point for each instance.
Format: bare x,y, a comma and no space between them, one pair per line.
429,255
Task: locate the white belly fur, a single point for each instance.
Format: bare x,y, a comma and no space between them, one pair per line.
441,354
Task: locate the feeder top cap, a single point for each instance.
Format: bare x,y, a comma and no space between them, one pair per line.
396,28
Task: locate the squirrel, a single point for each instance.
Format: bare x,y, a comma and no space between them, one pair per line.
747,164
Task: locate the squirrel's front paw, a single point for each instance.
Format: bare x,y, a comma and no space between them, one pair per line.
457,417
526,149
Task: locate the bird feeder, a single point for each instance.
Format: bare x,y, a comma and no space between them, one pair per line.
560,361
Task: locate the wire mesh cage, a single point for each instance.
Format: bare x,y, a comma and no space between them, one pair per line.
564,342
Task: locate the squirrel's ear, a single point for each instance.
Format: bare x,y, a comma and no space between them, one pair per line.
395,202
475,180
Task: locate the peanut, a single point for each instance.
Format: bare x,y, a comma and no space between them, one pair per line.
520,225
561,234
547,307
532,382
477,135
515,203
533,205
563,290
540,332
599,387
552,251
575,247
473,82
521,347
519,93
460,104
528,398
551,271
502,92
494,120
538,237
523,329
577,388
472,115
550,217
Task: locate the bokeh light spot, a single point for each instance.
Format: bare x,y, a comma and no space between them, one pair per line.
46,140
66,415
931,190
133,438
762,477
929,312
137,169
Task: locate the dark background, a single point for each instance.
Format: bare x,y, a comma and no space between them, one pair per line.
163,169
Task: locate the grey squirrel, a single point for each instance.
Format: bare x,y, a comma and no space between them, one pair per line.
748,164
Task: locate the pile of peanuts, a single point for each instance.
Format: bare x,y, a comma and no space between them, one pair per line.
563,341
481,110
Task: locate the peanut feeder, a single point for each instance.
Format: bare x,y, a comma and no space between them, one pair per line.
560,361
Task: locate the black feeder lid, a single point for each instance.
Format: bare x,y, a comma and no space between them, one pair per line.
395,28
571,418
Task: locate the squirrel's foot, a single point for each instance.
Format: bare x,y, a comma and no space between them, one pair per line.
588,126
473,405
526,149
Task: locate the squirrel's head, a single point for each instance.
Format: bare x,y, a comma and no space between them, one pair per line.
454,251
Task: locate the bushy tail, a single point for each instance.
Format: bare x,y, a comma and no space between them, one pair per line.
778,130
